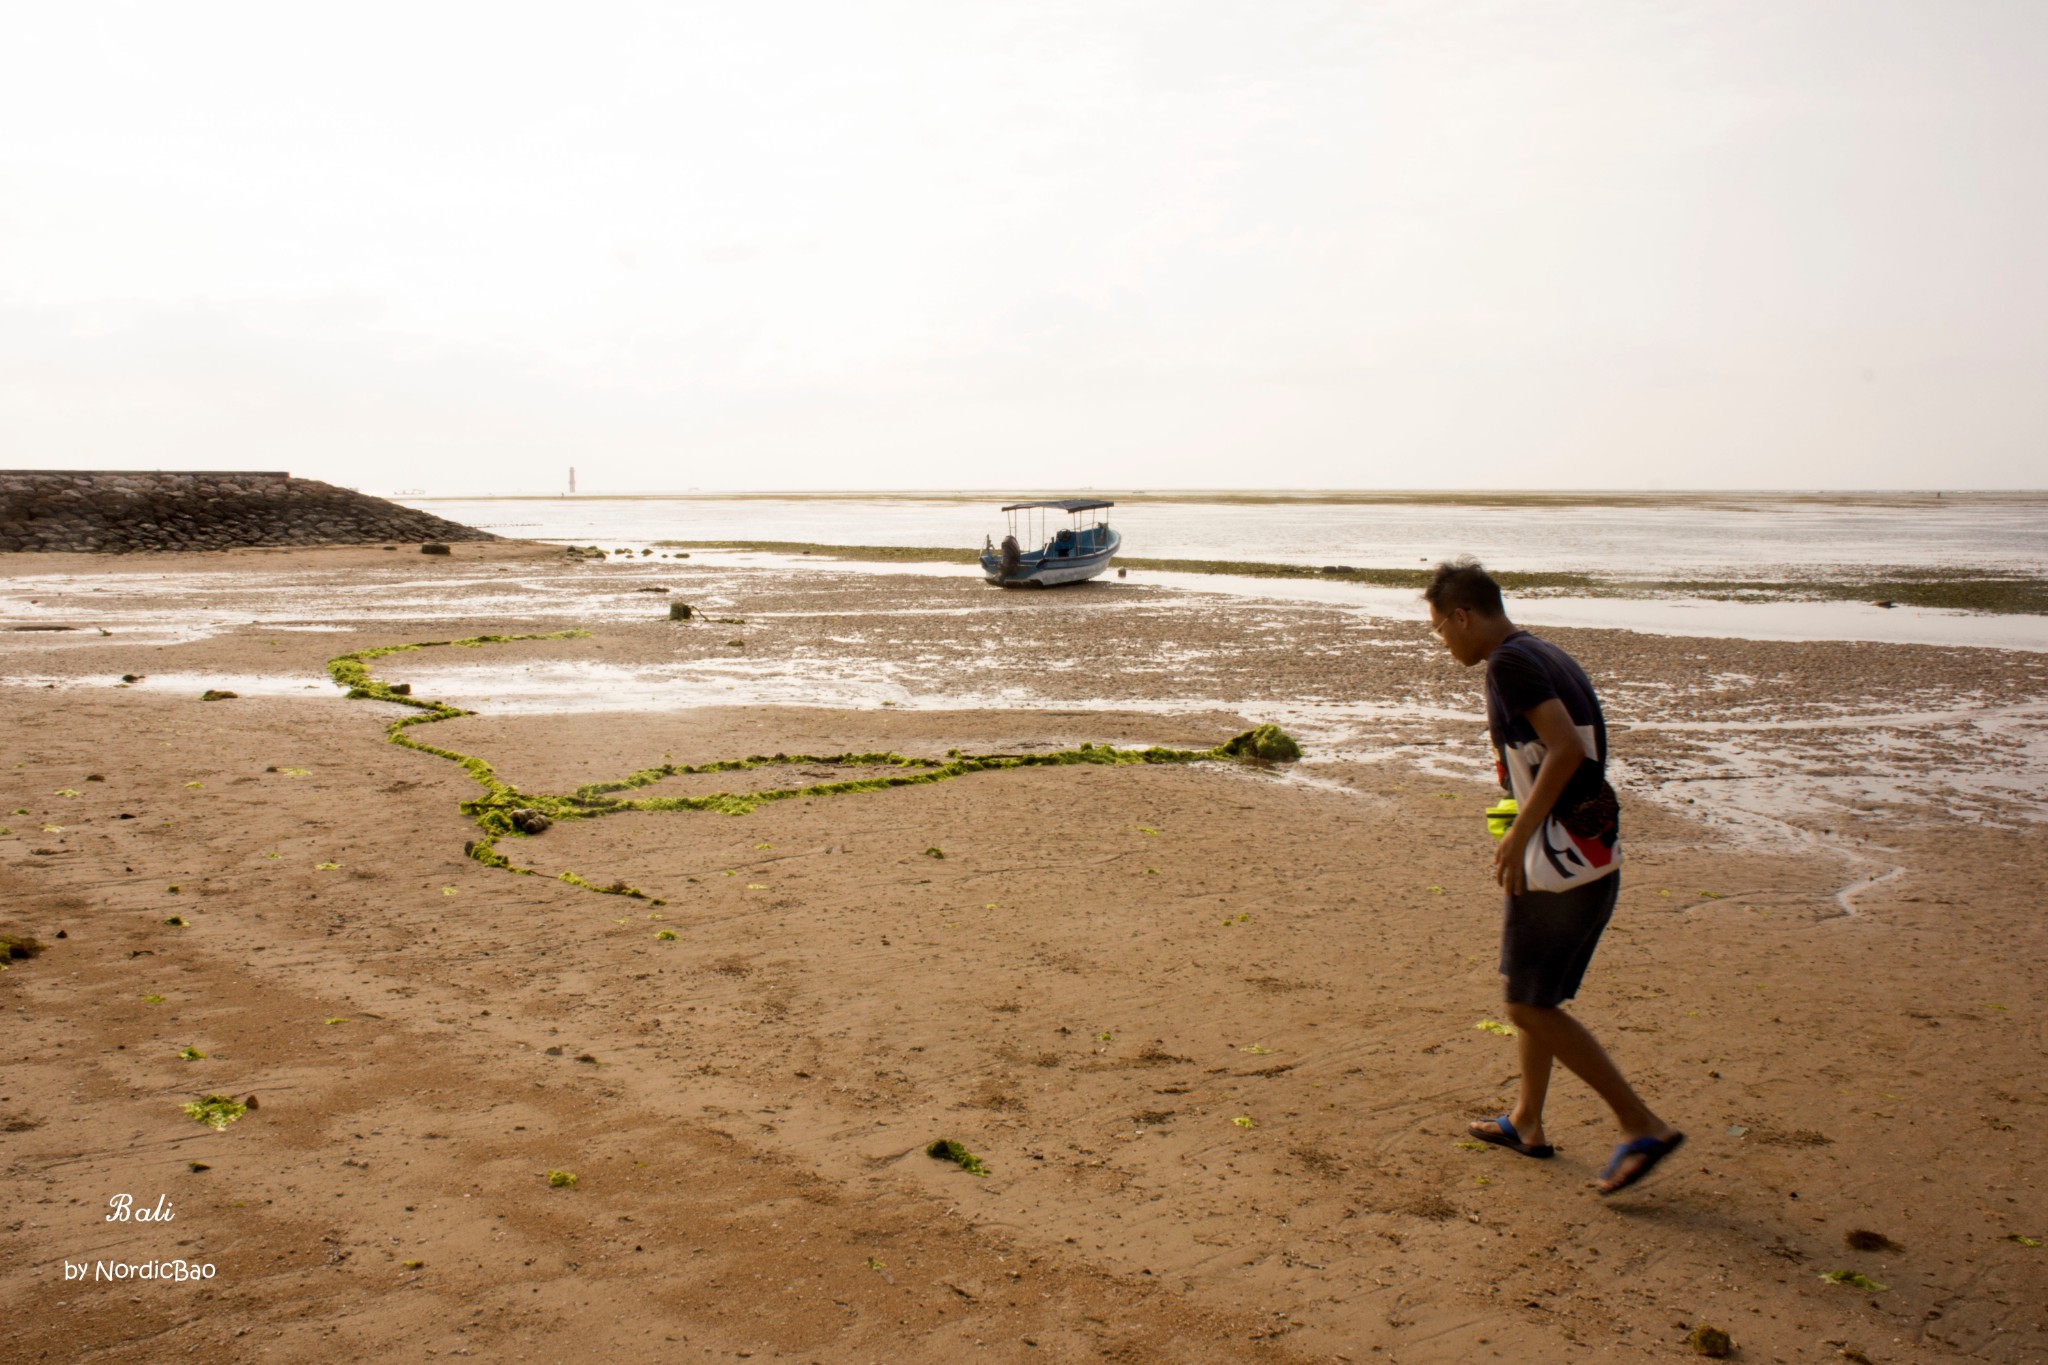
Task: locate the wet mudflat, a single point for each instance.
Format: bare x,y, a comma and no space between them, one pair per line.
1826,967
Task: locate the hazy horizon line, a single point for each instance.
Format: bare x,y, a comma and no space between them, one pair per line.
1235,494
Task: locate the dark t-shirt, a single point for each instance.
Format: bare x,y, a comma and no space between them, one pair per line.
1523,673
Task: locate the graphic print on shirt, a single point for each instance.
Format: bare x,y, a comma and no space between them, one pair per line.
1580,840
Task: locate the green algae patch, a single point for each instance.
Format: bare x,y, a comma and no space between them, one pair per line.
614,889
191,1054
504,812
1855,1280
1710,1341
945,1149
1267,743
17,947
216,1111
561,1180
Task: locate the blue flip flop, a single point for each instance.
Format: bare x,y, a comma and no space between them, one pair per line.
1507,1137
1652,1150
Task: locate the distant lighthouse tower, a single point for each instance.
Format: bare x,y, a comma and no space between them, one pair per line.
572,478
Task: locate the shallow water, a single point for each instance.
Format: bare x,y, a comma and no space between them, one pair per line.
163,607
1736,537
1749,769
1763,780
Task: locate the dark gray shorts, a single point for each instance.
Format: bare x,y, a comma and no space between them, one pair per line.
1548,937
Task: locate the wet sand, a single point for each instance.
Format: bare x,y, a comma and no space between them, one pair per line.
1827,967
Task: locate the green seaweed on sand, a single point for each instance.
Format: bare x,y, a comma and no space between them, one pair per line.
504,811
191,1054
1855,1280
1710,1341
561,1180
216,1111
665,935
1267,743
14,947
615,889
946,1149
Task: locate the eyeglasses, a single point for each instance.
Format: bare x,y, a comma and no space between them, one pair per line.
1436,628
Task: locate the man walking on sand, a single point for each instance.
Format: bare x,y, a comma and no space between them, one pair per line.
1560,863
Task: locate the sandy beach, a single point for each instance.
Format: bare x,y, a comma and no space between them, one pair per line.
1214,1028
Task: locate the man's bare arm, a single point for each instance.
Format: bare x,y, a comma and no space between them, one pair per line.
1563,752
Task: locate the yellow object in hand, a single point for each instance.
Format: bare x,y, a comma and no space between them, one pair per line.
1499,816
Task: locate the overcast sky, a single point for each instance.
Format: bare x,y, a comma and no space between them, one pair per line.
846,244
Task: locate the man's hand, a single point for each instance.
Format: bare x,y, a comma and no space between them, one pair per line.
1507,859
1563,753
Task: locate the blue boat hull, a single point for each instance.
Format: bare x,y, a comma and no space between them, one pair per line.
1046,568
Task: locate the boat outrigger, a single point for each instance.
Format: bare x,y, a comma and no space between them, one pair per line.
1078,552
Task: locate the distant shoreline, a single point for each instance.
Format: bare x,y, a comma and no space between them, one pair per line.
1312,497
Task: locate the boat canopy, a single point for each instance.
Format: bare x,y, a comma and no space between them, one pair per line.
1063,504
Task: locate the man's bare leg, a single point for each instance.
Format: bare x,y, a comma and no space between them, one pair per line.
1528,1111
1567,1040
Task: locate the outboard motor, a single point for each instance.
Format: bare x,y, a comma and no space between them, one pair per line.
1013,557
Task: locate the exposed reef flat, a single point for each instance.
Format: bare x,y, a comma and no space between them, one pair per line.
1827,966
1903,585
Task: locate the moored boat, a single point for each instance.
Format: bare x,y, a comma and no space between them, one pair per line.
1071,554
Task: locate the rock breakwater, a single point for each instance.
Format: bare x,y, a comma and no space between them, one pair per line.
117,511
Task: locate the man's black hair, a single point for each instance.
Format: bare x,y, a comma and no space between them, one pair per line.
1464,583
